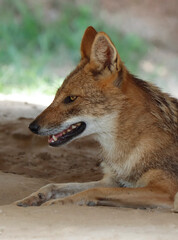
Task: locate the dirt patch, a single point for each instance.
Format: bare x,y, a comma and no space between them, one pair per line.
27,154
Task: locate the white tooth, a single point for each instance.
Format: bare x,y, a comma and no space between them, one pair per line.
73,126
68,130
78,124
64,132
54,138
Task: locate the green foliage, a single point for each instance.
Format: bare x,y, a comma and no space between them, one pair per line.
31,46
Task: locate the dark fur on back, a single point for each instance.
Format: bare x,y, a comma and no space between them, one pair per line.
166,105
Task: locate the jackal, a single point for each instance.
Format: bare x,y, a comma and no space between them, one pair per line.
135,123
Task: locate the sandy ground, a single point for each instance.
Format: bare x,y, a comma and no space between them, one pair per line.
27,163
68,222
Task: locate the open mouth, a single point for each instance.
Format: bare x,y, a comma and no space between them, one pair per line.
67,134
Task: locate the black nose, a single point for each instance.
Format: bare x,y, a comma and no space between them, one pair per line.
34,127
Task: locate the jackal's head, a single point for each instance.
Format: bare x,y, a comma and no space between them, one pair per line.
86,103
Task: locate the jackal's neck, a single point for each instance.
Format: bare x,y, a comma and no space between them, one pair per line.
142,120
119,157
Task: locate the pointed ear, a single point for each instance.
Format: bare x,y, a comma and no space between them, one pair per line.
87,42
104,53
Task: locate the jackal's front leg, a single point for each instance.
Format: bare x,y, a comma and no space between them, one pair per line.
146,197
54,191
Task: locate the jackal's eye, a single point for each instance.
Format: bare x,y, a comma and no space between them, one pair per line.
70,99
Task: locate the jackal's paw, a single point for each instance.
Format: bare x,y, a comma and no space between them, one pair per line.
36,199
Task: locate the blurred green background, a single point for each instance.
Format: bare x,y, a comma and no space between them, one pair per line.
40,43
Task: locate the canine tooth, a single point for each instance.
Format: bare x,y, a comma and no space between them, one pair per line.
78,124
64,132
73,126
54,138
68,130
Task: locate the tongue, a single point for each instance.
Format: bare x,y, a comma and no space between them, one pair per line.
58,135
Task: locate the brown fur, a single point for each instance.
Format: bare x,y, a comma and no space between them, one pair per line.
137,127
